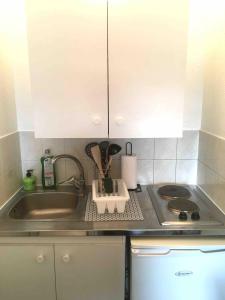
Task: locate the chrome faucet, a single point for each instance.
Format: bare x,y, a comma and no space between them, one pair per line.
78,183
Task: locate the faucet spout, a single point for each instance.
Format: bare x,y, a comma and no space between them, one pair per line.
81,181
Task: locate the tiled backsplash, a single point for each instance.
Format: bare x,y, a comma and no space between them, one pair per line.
211,167
159,160
10,166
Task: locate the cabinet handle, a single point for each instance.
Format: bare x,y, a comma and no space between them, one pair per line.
66,258
96,120
40,258
119,120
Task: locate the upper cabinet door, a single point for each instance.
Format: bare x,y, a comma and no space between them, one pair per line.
147,64
67,43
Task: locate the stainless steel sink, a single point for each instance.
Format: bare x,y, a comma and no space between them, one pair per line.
47,205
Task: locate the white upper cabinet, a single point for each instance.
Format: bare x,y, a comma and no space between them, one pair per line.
147,45
147,64
67,43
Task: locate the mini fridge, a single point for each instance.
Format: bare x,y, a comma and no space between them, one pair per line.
177,268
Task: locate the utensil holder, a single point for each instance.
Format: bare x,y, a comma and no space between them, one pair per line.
106,183
110,203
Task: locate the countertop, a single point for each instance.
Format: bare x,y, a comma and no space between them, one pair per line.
78,227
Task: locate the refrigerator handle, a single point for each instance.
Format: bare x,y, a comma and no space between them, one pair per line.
158,251
151,251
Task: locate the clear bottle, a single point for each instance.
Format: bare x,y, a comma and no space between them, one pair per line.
48,171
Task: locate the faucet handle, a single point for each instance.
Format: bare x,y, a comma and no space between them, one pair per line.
71,180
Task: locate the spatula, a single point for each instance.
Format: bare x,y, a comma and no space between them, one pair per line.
112,150
96,154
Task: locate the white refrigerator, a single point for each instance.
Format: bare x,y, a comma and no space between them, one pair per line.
177,268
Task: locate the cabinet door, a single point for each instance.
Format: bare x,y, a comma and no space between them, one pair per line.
67,43
27,272
90,272
147,61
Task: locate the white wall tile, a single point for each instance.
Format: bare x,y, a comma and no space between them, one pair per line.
31,148
56,146
143,148
212,152
76,147
208,145
219,157
2,193
209,182
219,194
164,171
187,147
10,166
186,171
211,168
145,171
165,148
201,173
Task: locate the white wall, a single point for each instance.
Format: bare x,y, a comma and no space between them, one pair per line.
10,160
194,84
213,116
193,101
211,166
8,121
21,69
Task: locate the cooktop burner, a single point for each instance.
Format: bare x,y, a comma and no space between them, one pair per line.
170,192
187,206
182,205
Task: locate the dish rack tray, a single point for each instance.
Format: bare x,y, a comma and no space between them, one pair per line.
115,201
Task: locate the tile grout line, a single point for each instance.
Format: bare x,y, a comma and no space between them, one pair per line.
205,165
8,134
153,171
176,161
212,134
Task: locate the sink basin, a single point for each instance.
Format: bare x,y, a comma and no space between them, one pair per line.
47,205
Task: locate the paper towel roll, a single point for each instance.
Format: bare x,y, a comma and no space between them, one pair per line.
129,170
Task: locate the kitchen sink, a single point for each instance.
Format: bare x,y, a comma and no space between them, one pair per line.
46,205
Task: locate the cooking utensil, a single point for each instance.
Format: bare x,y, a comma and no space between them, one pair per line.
88,149
103,148
113,149
96,154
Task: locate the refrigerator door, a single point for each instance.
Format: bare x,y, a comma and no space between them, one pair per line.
161,273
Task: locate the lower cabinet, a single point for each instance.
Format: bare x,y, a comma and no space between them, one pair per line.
27,272
83,268
90,272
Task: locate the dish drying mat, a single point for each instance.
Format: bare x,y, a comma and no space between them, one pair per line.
132,211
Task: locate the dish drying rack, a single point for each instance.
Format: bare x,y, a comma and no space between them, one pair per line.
111,202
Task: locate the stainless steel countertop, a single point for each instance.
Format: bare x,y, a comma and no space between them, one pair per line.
78,227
